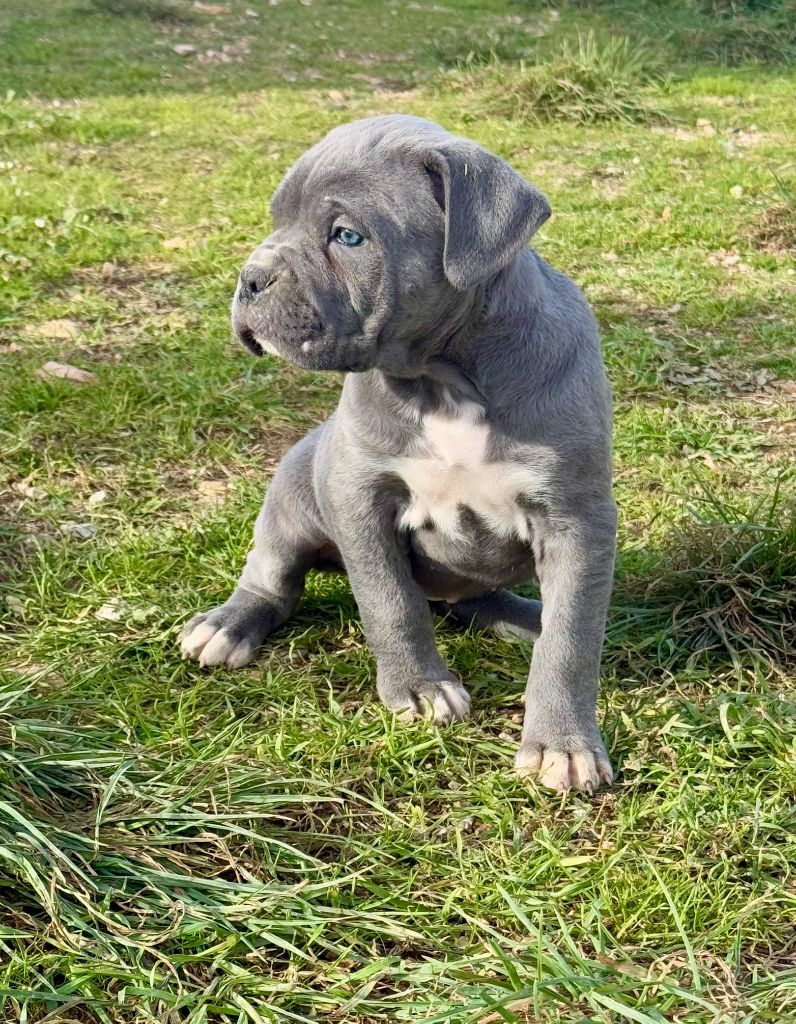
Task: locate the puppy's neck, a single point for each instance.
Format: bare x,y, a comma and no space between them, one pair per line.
447,375
443,387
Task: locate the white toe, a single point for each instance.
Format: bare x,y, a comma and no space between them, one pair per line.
193,641
217,649
528,760
451,704
554,771
241,656
561,770
583,771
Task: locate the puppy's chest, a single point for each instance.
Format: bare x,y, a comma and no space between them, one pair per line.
451,473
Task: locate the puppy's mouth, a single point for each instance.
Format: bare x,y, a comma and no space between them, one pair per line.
308,356
246,335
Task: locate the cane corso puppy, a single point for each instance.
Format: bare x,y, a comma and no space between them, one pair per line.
471,447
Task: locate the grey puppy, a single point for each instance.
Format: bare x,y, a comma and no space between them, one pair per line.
471,447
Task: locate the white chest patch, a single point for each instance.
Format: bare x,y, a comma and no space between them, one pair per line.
451,469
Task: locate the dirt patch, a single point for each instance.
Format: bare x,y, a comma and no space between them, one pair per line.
776,231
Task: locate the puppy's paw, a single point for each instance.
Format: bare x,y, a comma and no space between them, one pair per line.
228,635
560,770
443,701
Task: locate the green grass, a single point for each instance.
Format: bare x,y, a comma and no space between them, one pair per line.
268,845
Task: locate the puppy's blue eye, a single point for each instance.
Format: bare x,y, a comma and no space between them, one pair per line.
347,236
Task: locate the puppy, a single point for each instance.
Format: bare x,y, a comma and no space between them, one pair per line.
471,447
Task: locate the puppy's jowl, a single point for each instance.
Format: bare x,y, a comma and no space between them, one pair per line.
470,450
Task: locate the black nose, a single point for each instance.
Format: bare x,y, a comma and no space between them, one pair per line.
254,279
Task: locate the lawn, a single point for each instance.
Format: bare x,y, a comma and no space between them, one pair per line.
269,845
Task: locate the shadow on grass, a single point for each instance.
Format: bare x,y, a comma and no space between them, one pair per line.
722,594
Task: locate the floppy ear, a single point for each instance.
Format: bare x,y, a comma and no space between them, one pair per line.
490,211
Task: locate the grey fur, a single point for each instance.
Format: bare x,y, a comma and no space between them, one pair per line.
444,304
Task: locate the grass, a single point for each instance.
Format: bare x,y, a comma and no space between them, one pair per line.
268,845
585,82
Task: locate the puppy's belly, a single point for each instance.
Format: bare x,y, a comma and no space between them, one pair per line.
474,562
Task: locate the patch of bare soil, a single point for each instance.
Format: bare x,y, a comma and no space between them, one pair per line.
776,231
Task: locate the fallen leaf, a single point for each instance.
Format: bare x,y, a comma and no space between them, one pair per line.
83,531
144,614
184,49
25,488
210,8
97,497
176,243
212,492
111,611
709,461
64,330
63,371
36,671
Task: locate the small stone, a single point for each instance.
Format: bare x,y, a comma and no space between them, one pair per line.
15,606
64,371
736,191
97,497
184,49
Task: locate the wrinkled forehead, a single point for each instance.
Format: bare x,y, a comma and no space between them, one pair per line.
356,171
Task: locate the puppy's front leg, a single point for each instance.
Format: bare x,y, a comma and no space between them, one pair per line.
411,677
560,737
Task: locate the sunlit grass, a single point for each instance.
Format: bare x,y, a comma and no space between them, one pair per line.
270,845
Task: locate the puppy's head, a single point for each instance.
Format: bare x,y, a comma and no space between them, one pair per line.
380,232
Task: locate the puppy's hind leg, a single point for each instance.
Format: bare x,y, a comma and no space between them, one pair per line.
502,612
287,536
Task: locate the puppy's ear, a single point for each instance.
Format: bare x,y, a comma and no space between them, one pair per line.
490,211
